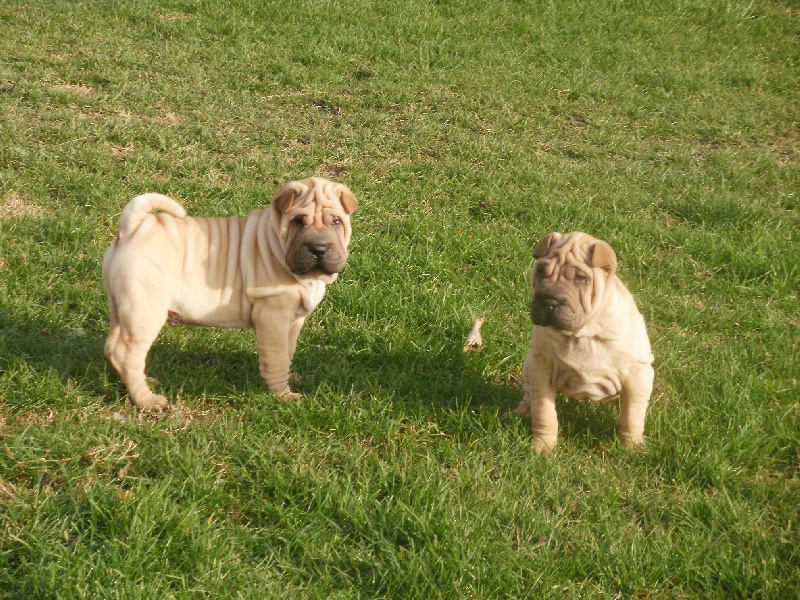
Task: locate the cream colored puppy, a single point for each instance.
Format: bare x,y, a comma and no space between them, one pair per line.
266,271
588,341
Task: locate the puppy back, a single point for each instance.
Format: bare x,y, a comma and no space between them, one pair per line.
138,208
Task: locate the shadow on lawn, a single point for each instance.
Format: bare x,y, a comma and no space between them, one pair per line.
214,362
72,362
191,366
34,350
413,374
447,379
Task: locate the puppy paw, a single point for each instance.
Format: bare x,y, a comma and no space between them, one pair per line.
151,402
522,410
630,441
287,395
543,445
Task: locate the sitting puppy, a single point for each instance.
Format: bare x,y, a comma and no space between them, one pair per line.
267,271
588,340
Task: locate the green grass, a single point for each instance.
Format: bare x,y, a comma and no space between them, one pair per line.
467,130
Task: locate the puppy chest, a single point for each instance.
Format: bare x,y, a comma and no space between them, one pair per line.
311,294
594,385
585,370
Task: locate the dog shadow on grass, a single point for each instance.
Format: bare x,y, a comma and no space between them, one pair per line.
56,363
221,364
442,379
45,362
421,379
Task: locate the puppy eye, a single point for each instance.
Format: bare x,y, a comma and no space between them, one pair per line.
299,221
540,271
581,278
336,222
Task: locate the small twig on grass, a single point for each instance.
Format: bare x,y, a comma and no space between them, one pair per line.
474,340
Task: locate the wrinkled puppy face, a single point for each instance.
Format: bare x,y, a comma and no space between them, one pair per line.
313,223
568,279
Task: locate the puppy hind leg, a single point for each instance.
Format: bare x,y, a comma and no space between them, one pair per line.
127,352
134,378
110,346
114,331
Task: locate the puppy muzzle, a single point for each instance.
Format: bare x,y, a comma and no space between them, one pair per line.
552,311
317,254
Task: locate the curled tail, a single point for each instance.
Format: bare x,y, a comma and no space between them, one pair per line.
138,208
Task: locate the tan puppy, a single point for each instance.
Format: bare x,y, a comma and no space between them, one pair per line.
267,271
588,341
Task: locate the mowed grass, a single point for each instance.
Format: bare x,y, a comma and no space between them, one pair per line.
467,130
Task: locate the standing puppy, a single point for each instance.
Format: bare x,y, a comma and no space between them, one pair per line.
267,271
588,341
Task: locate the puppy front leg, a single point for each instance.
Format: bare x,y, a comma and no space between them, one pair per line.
634,400
540,397
273,322
294,333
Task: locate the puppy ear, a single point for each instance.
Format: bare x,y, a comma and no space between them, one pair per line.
602,256
284,197
543,246
348,199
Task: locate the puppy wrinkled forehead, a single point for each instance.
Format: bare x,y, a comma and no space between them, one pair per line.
320,193
571,247
323,194
566,252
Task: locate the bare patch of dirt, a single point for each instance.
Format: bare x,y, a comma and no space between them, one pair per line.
14,206
79,90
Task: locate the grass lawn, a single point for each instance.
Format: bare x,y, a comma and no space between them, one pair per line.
467,130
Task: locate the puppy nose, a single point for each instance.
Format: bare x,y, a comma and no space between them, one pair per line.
319,249
550,303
